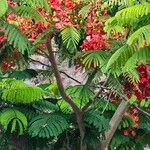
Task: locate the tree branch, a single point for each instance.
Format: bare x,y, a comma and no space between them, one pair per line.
114,122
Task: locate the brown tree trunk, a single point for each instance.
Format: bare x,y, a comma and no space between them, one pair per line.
114,122
77,110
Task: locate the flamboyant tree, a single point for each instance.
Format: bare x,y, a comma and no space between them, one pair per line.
109,41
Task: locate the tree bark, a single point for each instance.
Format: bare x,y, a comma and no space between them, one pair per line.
114,122
77,110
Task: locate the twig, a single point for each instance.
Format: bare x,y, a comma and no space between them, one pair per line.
59,71
70,77
37,61
143,111
95,96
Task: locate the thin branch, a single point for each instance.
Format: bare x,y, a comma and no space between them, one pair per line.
70,77
37,61
95,96
143,111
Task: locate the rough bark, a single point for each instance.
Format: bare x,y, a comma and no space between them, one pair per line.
78,111
114,122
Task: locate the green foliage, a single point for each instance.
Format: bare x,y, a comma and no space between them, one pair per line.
119,58
26,94
47,125
22,75
140,36
124,16
115,85
126,122
118,61
14,119
45,106
19,92
145,103
80,92
16,38
71,38
84,10
29,12
65,107
117,140
41,37
37,3
93,59
131,64
121,2
3,7
102,105
97,119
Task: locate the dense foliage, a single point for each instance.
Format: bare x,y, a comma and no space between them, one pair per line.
108,40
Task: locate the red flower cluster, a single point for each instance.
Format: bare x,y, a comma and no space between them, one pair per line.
134,115
62,11
96,37
128,132
94,42
142,89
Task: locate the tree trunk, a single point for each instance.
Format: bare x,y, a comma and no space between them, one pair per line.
114,122
77,110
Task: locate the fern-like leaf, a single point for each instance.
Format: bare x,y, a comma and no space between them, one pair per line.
124,16
18,92
126,122
15,118
45,106
71,38
84,10
141,55
16,38
3,7
93,59
119,59
94,117
140,36
26,94
80,92
46,126
29,12
37,3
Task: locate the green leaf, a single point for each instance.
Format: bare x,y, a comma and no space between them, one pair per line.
140,36
71,38
16,38
142,104
133,100
84,10
93,58
47,125
3,7
13,117
29,12
18,92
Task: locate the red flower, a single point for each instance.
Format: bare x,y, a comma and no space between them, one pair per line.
125,132
3,38
133,133
5,66
136,125
70,4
